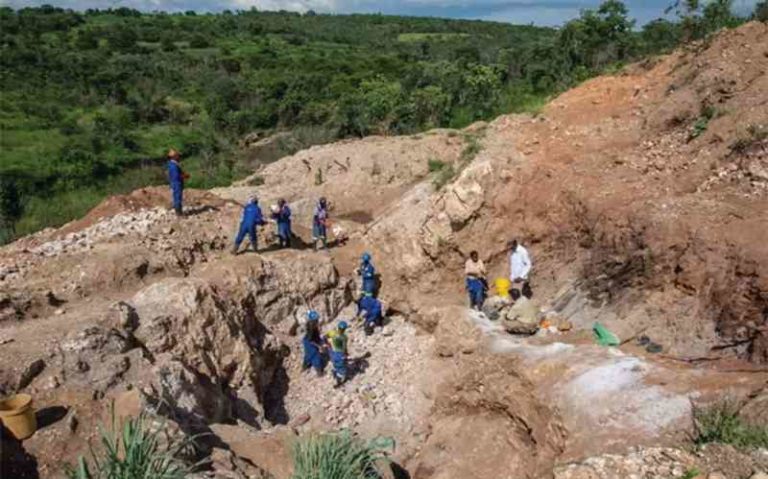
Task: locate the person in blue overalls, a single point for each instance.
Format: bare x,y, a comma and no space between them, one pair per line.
313,344
283,219
252,217
176,177
320,224
372,313
367,274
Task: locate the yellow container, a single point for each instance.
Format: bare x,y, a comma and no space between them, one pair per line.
502,287
18,416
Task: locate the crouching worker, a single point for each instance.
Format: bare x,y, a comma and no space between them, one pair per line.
313,344
523,316
475,283
337,342
252,217
369,308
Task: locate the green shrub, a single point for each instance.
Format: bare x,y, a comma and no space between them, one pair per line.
720,422
702,122
444,176
134,452
336,456
435,165
691,474
472,149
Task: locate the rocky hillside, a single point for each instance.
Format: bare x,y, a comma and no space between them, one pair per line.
643,198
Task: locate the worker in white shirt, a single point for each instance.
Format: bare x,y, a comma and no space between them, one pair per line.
519,268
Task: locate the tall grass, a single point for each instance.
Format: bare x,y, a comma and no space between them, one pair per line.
336,456
132,452
720,423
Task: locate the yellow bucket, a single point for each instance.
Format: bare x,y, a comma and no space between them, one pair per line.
502,287
18,416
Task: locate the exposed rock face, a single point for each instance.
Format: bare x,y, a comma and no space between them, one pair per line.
212,346
486,423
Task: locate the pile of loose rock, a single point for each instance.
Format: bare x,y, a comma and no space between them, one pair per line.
710,462
386,380
122,224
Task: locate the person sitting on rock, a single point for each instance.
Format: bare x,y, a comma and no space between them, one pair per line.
475,283
320,224
367,273
522,317
519,268
370,309
337,341
313,344
283,219
252,217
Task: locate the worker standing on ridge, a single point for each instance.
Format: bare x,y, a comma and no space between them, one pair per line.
338,341
313,344
320,224
474,281
519,268
252,217
176,177
367,273
283,219
369,308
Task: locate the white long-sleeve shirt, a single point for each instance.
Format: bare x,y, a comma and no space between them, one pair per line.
519,264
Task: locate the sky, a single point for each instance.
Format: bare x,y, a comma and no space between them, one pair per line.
541,12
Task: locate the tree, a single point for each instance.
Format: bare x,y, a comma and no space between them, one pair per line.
718,14
199,41
761,11
10,207
660,35
431,106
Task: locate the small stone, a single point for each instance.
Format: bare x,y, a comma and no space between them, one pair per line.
53,382
72,422
59,311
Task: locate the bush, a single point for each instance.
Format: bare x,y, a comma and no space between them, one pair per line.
336,456
435,165
199,41
721,423
444,176
133,453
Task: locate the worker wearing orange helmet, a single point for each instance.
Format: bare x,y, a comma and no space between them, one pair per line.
176,177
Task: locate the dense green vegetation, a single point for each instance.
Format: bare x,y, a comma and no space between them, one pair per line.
92,100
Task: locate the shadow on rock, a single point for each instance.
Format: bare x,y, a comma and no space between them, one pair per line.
50,415
274,400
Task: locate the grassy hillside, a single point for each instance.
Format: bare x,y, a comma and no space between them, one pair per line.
92,100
